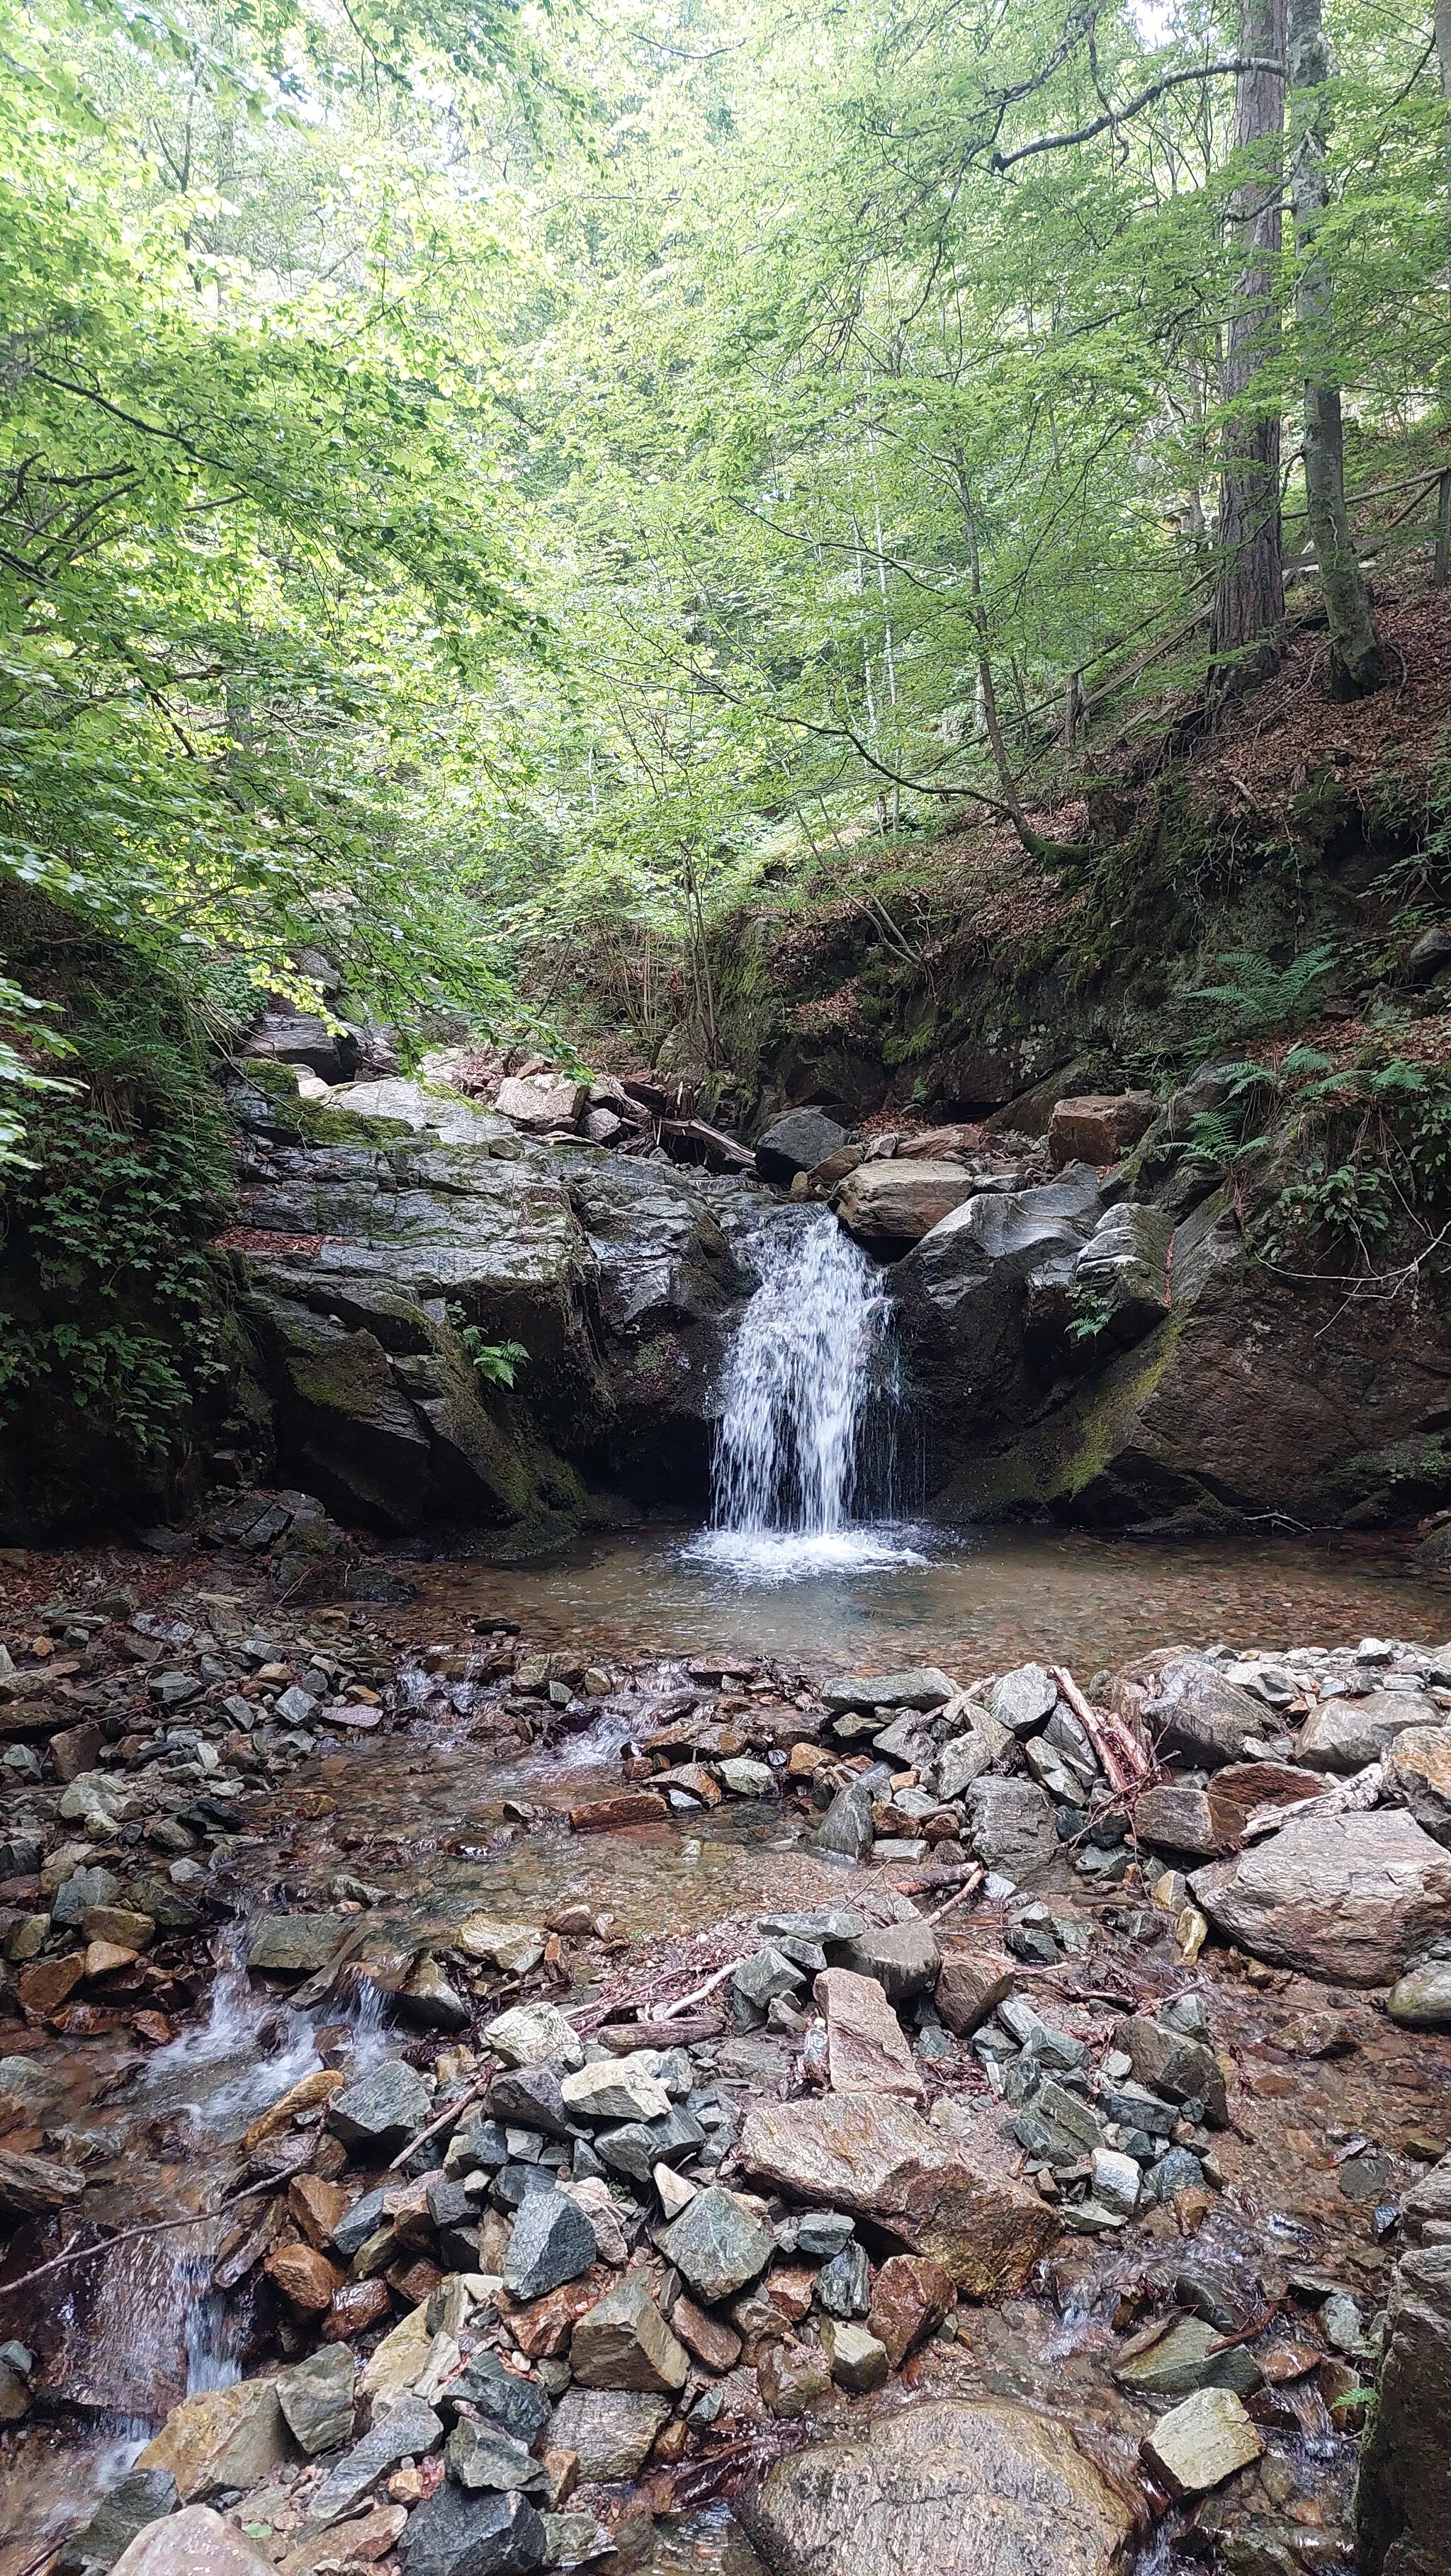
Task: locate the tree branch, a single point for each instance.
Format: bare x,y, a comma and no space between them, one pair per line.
1115,116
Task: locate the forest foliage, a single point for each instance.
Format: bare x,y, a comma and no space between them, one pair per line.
480,479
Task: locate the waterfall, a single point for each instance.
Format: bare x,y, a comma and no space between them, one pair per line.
810,1380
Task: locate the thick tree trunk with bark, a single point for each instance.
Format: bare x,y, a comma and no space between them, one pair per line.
1250,603
1355,656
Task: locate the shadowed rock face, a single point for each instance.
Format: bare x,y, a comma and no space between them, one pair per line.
1403,2497
957,2489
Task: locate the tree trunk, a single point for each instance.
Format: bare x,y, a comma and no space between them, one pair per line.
1250,603
1356,665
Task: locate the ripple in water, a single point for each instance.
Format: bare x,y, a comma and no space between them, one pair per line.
811,1405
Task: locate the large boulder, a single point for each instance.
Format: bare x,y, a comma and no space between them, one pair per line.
1124,1267
890,1204
1097,1126
797,1143
957,2487
962,1296
195,2543
872,2155
1189,1710
1349,1899
1403,2498
1345,1734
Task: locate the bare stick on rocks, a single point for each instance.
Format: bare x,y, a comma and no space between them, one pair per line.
1126,1759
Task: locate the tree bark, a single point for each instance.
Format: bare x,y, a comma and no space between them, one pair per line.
1250,603
1356,663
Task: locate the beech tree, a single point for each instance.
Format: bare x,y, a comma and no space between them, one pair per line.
1250,599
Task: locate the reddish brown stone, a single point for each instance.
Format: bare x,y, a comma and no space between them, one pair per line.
971,1985
542,2327
713,2343
911,2295
414,2281
792,2378
356,2305
45,1984
1098,1127
74,1750
305,2277
153,2026
317,2206
790,2288
602,1813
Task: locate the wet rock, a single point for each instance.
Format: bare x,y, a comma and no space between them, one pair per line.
316,2398
230,2437
306,2279
609,2429
382,2111
867,2050
1171,2063
1403,2497
873,2156
854,2356
902,1957
1421,1999
514,1947
714,2344
1198,2445
904,2494
1012,1826
33,2186
409,2430
529,2033
551,2242
430,2002
1419,1764
455,2534
1349,1899
194,2543
846,1827
971,1985
793,2379
718,2244
141,2499
1345,1734
910,2297
888,1206
844,2285
485,2461
118,1923
1173,2360
624,2342
797,1143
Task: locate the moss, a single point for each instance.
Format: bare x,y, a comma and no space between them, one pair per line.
313,1122
1063,1459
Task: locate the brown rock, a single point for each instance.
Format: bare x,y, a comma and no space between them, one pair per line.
1420,1764
194,2543
1347,1899
792,2378
31,2186
1174,1819
624,2342
870,2154
888,1206
230,2437
643,1808
972,1984
305,2277
360,2543
542,2327
104,1956
118,1923
317,2206
866,2048
302,2096
1098,1126
358,2305
948,2488
1236,1792
708,2338
910,2297
791,2288
45,1984
74,1750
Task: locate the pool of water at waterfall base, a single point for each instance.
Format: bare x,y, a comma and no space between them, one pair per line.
890,1595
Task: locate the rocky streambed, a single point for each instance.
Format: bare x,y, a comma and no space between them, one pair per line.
663,2112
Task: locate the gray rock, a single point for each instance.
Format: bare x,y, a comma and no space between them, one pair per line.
141,2499
1345,1734
519,2406
1024,1700
1169,2062
84,1888
382,2111
367,2214
829,1925
1403,2497
821,2233
1421,1999
529,2097
965,1756
641,2145
611,2429
1349,1899
923,1688
316,2398
1191,1710
903,1958
797,1143
552,2242
717,2243
1198,2445
846,1827
1012,1825
472,2535
980,2485
844,2285
1184,2358
624,2342
1124,1264
769,1972
484,2460
409,2430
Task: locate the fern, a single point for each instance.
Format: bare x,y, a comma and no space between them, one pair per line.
1257,997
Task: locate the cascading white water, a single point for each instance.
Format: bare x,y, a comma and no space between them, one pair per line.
811,1359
